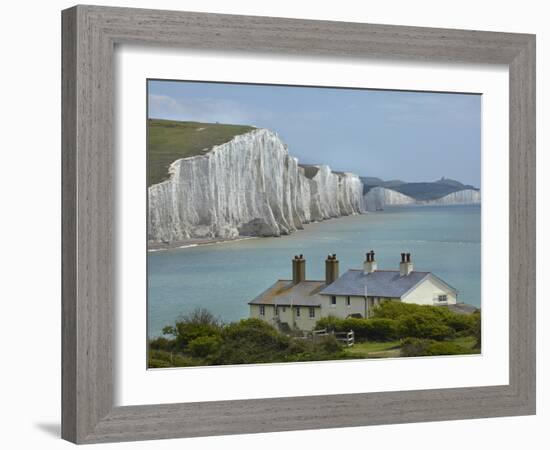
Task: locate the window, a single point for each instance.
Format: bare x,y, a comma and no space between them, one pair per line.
262,310
298,311
276,310
442,298
311,312
333,300
284,308
348,301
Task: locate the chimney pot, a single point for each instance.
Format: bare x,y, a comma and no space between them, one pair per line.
405,267
298,269
331,269
370,265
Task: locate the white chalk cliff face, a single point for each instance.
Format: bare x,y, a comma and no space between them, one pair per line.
464,197
379,197
249,186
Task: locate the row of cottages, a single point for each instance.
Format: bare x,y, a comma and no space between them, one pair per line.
300,303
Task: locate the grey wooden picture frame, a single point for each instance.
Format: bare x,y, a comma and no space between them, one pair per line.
90,34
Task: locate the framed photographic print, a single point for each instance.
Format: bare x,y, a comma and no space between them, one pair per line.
268,222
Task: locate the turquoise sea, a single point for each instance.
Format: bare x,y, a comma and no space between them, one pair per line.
223,277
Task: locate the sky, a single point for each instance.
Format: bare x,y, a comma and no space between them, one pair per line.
412,136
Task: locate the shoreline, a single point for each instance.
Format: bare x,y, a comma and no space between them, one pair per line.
195,242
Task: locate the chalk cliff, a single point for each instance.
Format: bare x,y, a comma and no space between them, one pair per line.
249,186
379,197
466,196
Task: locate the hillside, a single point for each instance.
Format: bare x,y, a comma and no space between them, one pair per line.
454,183
169,140
372,182
426,191
421,191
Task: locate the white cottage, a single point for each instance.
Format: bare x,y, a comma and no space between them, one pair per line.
300,303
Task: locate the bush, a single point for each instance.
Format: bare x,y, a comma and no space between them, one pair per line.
158,364
461,323
251,341
475,328
199,323
428,347
380,329
364,329
394,310
161,358
185,332
422,326
328,345
331,323
204,346
321,349
161,343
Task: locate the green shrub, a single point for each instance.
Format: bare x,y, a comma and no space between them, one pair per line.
461,323
422,326
475,328
161,358
429,347
161,355
158,364
394,310
414,347
328,345
204,346
358,326
447,348
161,343
251,341
320,349
331,323
378,329
198,323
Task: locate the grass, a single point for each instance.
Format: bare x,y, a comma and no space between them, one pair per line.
467,342
374,349
169,140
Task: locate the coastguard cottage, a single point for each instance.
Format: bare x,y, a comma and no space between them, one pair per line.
300,303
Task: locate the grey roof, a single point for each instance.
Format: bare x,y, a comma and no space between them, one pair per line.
381,283
286,293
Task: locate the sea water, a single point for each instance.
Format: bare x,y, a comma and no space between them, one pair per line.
224,277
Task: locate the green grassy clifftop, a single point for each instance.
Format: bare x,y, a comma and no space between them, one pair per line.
169,140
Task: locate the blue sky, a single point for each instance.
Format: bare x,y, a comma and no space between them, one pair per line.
413,136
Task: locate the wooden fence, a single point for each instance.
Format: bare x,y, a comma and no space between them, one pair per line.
345,337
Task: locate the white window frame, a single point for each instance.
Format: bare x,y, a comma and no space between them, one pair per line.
297,311
262,310
333,301
348,301
312,312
